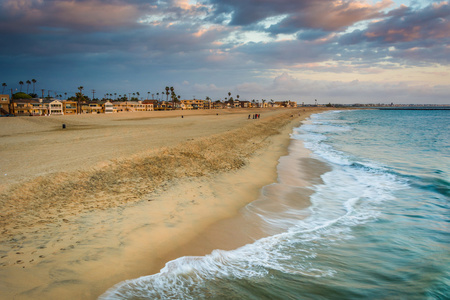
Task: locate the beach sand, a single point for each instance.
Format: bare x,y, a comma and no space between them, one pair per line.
114,197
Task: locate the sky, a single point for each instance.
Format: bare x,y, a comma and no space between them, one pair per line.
332,51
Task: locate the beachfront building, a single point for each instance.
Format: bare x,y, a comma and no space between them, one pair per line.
53,107
69,107
120,106
291,104
194,104
91,108
245,104
108,107
163,105
151,104
284,104
4,104
139,106
26,107
277,104
36,107
131,106
219,105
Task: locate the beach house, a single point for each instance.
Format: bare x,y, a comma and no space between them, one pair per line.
194,104
130,106
219,105
26,107
108,107
4,104
54,107
91,108
69,107
246,104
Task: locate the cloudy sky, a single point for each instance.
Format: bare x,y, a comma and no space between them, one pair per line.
338,51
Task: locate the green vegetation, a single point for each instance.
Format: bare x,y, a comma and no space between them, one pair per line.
21,95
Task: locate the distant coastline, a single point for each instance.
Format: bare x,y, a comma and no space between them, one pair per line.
416,108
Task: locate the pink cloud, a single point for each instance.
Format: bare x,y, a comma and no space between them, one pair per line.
338,14
30,15
406,25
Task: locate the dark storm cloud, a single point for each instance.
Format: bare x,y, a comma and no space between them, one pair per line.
408,25
40,16
406,28
93,26
418,36
300,14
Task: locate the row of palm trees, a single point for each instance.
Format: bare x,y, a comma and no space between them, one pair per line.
21,83
167,91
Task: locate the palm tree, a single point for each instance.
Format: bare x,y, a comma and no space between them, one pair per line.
80,94
34,85
167,93
157,95
21,84
28,85
4,85
173,95
137,93
229,94
65,95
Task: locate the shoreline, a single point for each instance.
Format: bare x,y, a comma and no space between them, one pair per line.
287,179
141,233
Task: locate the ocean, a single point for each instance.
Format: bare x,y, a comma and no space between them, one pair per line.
377,227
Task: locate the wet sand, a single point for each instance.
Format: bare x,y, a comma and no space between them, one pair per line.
80,249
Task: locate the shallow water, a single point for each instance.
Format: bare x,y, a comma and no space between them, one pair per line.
378,226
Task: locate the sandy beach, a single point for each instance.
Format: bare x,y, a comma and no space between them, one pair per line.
114,197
